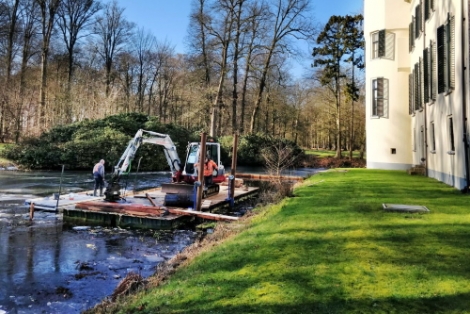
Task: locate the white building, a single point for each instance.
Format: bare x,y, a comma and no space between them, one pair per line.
418,87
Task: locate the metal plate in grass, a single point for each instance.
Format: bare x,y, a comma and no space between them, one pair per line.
405,208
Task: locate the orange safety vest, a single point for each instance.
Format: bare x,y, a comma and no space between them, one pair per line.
209,168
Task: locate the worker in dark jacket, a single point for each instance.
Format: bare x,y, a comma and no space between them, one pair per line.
98,175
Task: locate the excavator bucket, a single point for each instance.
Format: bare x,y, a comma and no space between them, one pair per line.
184,195
179,194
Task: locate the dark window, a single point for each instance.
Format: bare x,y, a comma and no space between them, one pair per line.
410,93
446,56
433,136
441,59
417,87
427,9
451,134
381,52
412,36
428,74
418,21
383,45
380,97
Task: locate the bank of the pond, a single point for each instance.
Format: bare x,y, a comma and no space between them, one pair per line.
329,249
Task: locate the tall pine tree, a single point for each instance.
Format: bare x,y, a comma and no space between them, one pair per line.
338,41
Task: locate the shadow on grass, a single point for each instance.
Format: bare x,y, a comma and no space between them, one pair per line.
334,305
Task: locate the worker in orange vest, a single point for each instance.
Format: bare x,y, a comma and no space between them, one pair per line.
209,167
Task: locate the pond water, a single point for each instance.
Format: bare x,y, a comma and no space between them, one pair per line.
47,267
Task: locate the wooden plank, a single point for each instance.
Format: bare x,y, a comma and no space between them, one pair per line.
135,209
206,204
267,177
204,215
144,210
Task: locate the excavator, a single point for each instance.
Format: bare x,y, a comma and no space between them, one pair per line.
180,192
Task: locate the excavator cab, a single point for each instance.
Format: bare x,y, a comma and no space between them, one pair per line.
192,158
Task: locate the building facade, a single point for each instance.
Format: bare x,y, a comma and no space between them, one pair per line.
417,87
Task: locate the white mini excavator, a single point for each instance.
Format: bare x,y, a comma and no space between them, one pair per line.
181,190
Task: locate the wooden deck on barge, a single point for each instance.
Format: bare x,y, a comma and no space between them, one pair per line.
143,209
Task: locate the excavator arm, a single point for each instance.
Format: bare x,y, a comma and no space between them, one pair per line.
169,149
142,136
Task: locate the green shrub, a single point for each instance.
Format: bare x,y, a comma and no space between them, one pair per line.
81,145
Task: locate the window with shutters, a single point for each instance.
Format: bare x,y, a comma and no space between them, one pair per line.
411,34
446,56
429,89
383,45
428,8
426,75
418,104
433,70
411,102
380,97
418,21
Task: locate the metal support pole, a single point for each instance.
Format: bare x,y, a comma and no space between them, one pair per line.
197,184
231,190
202,157
60,190
233,170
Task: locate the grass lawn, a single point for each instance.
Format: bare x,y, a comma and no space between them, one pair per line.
321,153
331,249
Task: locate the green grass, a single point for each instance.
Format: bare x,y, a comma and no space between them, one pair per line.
330,153
333,249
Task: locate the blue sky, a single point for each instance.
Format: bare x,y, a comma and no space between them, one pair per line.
168,19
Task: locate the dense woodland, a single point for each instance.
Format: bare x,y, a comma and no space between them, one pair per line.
67,61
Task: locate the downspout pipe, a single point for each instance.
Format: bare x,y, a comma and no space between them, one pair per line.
464,100
425,111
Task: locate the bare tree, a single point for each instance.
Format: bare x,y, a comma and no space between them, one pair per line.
288,19
198,38
29,27
256,15
112,30
48,9
10,14
160,59
221,31
278,158
74,16
237,12
143,45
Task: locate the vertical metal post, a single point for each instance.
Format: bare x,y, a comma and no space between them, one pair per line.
202,158
233,170
197,185
60,189
231,190
31,211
